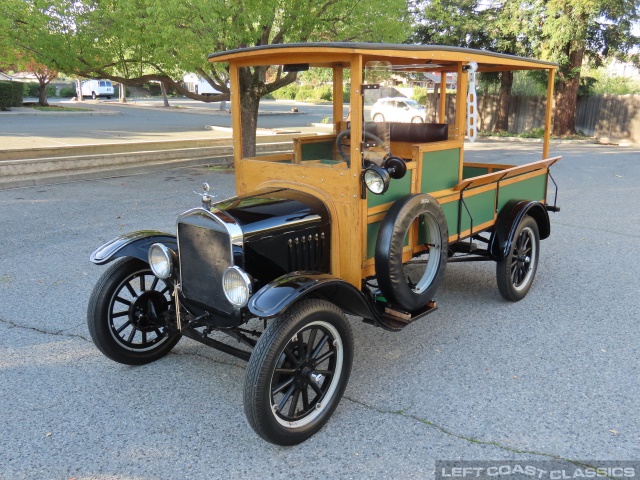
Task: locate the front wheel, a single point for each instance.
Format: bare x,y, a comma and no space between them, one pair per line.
417,120
125,314
93,95
298,372
515,273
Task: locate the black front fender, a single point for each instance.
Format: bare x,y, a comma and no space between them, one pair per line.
276,297
134,244
507,223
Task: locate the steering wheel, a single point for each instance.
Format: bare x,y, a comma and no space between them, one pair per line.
347,133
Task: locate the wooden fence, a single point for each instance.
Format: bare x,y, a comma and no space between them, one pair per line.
610,118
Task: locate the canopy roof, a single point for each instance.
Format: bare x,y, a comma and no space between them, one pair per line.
417,57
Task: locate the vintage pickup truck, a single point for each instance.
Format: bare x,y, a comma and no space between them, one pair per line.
359,221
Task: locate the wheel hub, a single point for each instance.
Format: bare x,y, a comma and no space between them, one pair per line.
145,311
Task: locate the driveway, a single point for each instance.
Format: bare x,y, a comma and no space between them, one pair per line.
553,376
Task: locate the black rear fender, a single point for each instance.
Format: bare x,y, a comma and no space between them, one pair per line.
507,223
276,297
134,244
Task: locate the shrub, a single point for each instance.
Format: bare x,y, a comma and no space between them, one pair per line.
288,92
33,90
420,95
18,94
6,95
68,92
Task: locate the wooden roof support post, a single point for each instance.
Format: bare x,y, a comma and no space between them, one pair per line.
236,110
442,114
338,99
547,121
461,101
356,103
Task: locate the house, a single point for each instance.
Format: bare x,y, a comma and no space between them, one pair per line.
5,77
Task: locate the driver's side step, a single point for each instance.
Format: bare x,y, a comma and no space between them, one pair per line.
397,318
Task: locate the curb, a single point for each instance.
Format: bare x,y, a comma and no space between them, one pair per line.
112,173
37,113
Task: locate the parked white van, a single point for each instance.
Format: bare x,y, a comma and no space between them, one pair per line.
97,88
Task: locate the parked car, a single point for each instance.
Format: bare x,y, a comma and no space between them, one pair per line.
398,109
361,221
97,88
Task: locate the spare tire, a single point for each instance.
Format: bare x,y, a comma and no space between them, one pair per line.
411,286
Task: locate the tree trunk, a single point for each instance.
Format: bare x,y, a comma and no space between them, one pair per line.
79,96
42,95
566,98
122,93
163,89
504,102
249,105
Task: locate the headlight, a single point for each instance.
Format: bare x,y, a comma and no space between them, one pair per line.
237,286
161,260
376,179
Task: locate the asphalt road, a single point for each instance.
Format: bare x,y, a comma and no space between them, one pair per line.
145,120
553,376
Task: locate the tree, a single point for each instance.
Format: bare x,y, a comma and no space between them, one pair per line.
473,24
137,41
44,75
572,31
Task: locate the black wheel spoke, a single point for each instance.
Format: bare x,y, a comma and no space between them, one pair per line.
144,336
285,371
164,290
123,301
312,339
119,314
124,325
321,344
158,332
282,386
132,334
290,356
324,357
286,397
305,399
131,290
300,342
326,373
315,388
154,283
143,287
294,403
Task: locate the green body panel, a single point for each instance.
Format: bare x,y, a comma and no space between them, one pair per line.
470,172
440,170
529,189
397,189
481,206
317,151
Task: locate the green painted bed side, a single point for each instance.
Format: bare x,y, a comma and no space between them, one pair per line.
318,151
372,238
470,172
440,170
529,189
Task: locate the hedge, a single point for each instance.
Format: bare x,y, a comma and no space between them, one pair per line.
33,90
304,93
11,94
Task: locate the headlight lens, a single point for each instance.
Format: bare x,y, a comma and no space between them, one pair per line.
160,260
237,286
376,179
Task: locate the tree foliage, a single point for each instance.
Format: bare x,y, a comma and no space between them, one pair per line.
572,31
137,41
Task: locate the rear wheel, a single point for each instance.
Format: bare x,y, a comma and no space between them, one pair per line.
298,372
417,120
93,95
378,117
515,273
125,314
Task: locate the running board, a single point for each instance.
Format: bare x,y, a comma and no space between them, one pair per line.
395,319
